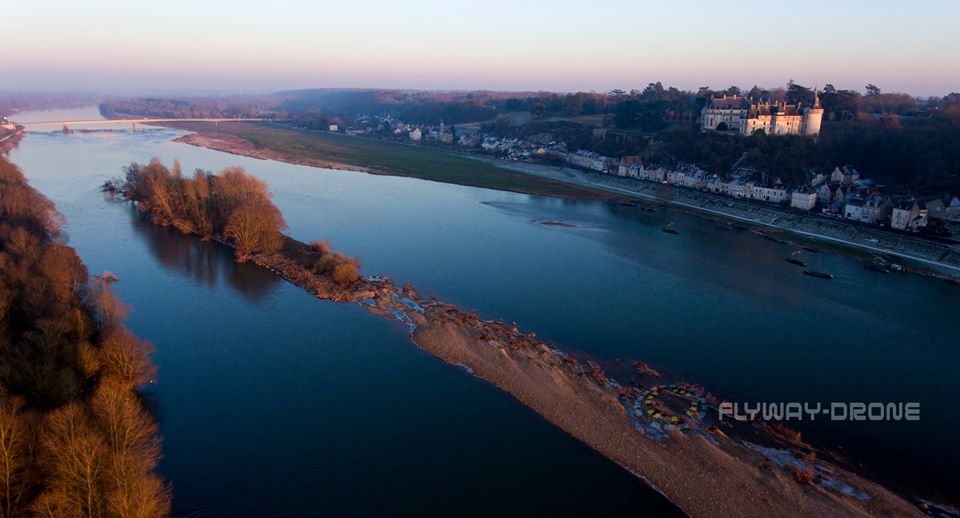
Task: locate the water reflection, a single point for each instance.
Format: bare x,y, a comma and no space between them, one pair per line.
205,262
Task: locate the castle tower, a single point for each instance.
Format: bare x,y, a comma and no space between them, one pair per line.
812,117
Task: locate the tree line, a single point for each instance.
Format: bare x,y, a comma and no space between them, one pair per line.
232,206
75,439
189,108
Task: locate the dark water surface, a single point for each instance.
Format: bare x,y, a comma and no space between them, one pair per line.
273,402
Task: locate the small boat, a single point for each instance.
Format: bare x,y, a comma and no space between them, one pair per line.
821,275
796,261
728,228
811,249
773,238
876,267
896,267
649,209
669,230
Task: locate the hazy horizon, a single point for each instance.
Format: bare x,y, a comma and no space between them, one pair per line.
217,47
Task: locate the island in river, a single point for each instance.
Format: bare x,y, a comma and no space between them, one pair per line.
663,430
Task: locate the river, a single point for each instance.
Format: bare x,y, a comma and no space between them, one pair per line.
274,403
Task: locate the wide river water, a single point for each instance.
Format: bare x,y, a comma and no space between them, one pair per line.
274,403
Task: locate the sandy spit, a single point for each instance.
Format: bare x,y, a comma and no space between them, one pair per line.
703,470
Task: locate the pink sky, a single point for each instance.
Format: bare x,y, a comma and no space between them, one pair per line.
258,46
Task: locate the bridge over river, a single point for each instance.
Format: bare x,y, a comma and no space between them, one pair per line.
134,121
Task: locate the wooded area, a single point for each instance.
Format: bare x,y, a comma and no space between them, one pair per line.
232,206
75,439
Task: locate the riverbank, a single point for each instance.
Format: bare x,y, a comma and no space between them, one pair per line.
323,149
662,430
9,138
859,242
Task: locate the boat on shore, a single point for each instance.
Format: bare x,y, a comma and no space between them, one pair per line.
820,275
669,230
811,249
775,239
728,228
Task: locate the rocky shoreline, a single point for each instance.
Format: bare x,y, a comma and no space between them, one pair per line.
663,431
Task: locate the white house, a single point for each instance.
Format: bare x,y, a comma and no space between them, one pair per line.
853,210
653,175
415,134
803,199
908,216
876,209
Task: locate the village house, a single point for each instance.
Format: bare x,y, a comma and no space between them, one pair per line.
773,194
803,199
952,212
593,161
714,184
824,195
739,189
854,209
845,177
908,216
415,135
876,209
838,201
630,166
674,177
947,208
653,175
582,158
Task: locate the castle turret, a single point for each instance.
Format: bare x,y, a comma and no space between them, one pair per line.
812,117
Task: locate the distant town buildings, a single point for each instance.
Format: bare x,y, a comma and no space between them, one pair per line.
842,193
736,114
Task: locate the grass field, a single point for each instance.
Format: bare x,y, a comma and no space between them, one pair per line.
393,158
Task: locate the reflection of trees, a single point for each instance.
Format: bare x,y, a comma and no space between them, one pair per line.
203,261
